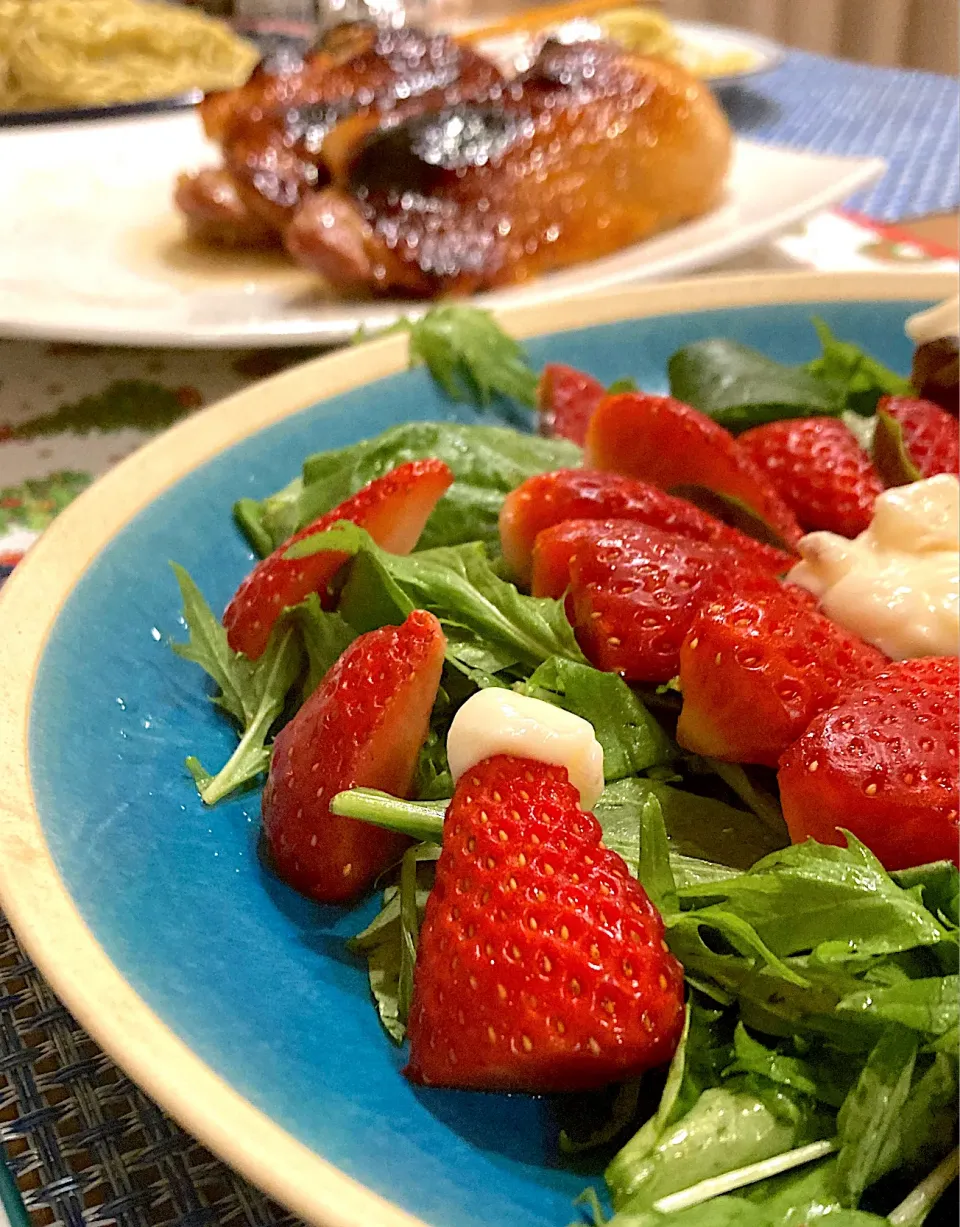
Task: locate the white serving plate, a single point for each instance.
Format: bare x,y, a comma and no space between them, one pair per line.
93,249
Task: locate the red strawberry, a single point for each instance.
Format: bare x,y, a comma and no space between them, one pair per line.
541,964
757,665
931,435
582,494
363,726
882,764
566,400
634,591
819,470
393,509
661,440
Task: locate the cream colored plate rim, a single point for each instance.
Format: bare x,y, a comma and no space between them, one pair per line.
32,892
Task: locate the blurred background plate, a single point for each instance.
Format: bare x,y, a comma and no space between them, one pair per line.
117,110
228,997
95,251
720,55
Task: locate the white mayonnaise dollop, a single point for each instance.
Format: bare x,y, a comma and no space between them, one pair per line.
497,721
896,585
943,320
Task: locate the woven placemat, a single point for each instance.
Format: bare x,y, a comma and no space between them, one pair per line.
85,1146
909,118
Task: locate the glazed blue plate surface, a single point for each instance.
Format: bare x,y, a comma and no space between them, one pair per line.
254,979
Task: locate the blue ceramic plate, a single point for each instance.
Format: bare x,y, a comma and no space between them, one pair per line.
228,997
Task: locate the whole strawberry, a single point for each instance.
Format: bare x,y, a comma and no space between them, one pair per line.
757,665
363,726
393,509
882,763
541,964
819,470
930,434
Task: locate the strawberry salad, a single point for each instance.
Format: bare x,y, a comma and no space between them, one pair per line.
644,727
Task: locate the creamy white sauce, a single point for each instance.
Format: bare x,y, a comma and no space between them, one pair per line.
943,320
897,585
497,721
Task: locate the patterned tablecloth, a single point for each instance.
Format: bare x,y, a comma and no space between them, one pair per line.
83,1145
69,412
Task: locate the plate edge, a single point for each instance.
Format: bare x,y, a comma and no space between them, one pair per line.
32,892
859,170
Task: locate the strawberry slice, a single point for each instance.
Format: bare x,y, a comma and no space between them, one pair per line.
757,665
661,440
634,591
541,964
393,509
583,494
362,727
882,764
819,470
931,435
566,399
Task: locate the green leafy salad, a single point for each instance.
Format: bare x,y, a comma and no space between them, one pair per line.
817,1074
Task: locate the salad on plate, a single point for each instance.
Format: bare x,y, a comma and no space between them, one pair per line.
642,719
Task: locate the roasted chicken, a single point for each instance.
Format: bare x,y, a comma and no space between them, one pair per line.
274,131
396,162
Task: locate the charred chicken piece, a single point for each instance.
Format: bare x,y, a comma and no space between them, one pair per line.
215,212
594,149
274,129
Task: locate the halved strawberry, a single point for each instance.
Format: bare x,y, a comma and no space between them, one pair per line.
566,399
930,434
393,509
819,470
883,765
584,494
363,726
541,964
757,665
660,440
555,548
634,591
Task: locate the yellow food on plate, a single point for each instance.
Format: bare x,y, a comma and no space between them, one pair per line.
64,53
644,31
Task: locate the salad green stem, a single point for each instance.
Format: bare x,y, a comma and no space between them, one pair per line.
418,819
915,1207
762,804
706,1190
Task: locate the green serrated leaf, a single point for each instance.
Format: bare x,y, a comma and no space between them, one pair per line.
856,379
460,587
270,680
208,648
654,870
471,357
869,1114
383,942
838,901
631,738
325,636
740,388
249,516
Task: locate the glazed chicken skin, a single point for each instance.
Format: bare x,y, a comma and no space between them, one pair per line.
273,130
592,150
